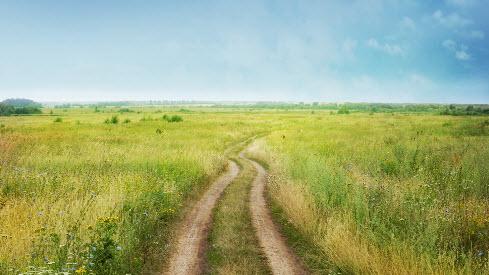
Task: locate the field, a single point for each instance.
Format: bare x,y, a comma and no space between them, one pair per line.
102,190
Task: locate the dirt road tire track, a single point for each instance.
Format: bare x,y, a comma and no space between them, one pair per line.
280,258
188,256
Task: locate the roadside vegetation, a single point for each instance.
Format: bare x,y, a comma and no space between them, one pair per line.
233,247
84,196
356,189
386,194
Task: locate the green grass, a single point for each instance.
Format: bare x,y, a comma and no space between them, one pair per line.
380,193
233,247
409,193
81,185
311,255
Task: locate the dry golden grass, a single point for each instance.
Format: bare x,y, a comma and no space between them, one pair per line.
336,235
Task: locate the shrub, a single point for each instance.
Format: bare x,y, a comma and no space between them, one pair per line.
125,110
58,119
127,120
112,120
343,110
173,118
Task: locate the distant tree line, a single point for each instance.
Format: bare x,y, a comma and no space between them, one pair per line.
469,110
19,106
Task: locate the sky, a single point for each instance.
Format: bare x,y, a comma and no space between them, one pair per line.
328,51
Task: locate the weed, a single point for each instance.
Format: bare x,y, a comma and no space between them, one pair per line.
58,119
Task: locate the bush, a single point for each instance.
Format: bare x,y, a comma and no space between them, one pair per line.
112,120
173,118
58,119
343,110
125,110
127,120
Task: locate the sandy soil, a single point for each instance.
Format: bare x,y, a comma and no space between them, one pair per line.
189,253
280,258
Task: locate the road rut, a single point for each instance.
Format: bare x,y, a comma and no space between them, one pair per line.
189,254
280,258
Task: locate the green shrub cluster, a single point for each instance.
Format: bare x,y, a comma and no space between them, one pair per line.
173,118
112,120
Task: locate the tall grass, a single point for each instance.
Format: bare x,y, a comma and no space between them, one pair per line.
387,194
99,198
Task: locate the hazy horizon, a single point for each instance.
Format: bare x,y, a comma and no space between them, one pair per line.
390,51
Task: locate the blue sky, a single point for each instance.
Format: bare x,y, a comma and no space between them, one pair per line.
374,51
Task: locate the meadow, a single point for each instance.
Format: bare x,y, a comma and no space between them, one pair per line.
97,190
384,194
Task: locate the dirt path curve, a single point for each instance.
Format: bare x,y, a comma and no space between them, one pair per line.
280,258
188,256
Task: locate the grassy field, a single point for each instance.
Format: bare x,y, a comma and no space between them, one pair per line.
98,190
386,193
77,193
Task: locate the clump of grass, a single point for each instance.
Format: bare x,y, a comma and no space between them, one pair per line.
126,121
146,118
125,110
58,119
173,118
112,120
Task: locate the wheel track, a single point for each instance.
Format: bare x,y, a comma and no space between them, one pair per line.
280,258
189,254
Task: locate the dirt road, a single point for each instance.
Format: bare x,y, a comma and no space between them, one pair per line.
280,258
189,253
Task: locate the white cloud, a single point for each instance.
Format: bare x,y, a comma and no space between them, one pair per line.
460,3
460,51
392,49
348,47
449,44
452,20
477,34
408,23
462,55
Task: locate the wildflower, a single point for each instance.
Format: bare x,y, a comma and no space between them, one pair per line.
81,270
118,248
